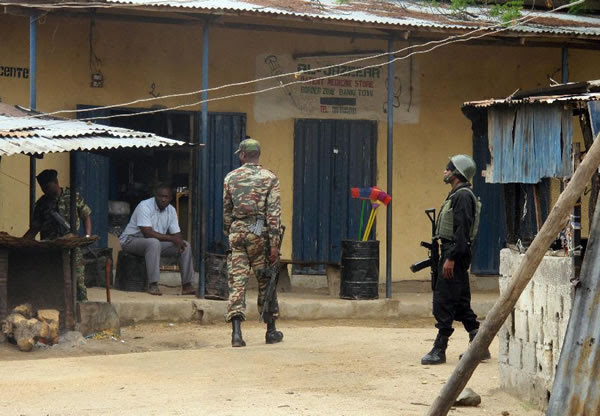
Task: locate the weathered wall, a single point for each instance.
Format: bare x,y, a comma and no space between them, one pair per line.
532,336
135,56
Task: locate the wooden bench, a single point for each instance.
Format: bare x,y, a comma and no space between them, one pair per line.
332,270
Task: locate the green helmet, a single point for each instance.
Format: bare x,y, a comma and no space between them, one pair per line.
465,166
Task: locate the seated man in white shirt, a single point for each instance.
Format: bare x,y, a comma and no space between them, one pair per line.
153,230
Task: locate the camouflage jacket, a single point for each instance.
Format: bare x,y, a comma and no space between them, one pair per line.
43,219
249,191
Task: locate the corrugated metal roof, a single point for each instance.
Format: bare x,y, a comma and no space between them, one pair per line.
20,134
548,99
400,13
569,92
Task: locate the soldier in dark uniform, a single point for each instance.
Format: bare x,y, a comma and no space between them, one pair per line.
252,222
456,228
51,218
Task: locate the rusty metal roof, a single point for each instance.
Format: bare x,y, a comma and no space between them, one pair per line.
549,99
399,13
570,92
22,134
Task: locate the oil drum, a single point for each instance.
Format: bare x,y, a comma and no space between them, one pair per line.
360,270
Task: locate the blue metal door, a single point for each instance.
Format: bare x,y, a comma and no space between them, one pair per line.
92,182
492,230
225,131
330,157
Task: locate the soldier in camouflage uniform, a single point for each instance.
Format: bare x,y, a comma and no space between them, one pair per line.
252,220
51,218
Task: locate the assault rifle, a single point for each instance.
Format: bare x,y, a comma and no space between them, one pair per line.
433,248
272,272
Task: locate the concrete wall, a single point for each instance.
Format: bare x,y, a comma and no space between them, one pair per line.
532,336
136,55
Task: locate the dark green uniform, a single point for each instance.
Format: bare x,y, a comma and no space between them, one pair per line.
45,218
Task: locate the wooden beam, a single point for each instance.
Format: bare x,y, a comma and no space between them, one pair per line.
538,208
588,139
505,304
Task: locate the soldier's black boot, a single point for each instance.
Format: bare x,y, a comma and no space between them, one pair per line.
236,334
272,336
437,355
486,355
82,294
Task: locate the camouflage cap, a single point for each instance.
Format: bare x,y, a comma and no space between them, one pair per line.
248,145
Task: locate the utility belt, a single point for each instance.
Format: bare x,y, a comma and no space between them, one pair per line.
256,223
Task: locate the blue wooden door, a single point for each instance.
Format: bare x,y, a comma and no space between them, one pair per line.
93,183
330,157
226,130
492,230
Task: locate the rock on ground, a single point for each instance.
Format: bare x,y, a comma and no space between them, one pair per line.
468,398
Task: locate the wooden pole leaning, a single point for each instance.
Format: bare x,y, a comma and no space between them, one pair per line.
505,304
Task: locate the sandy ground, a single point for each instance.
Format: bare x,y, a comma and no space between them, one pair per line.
321,368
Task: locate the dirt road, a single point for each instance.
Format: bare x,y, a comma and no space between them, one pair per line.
324,368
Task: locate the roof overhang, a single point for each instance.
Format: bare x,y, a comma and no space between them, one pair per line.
24,132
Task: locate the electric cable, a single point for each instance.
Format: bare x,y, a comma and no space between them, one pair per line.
296,73
438,43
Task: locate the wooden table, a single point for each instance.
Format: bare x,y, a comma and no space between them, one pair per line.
38,272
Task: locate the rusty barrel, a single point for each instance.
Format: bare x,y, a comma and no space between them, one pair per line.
216,277
360,270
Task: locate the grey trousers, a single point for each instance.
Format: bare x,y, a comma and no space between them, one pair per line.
152,249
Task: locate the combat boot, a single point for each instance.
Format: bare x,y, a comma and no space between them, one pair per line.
82,294
437,355
236,334
486,355
272,336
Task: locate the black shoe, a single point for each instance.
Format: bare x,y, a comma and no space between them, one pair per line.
437,355
236,334
153,289
273,336
486,354
82,294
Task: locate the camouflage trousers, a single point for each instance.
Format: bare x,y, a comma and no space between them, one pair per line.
248,251
79,276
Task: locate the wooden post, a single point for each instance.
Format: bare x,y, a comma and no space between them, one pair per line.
107,267
68,289
3,283
538,208
505,304
576,221
588,139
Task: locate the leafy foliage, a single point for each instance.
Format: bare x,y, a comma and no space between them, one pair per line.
508,11
505,11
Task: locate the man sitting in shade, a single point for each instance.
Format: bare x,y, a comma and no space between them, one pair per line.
153,231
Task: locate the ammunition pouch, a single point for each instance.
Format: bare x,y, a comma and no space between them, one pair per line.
258,226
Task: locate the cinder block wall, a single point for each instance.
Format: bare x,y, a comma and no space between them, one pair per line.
531,337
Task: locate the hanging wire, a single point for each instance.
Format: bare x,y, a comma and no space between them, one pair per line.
513,22
437,44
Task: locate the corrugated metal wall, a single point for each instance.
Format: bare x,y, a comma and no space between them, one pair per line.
330,157
529,142
576,389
